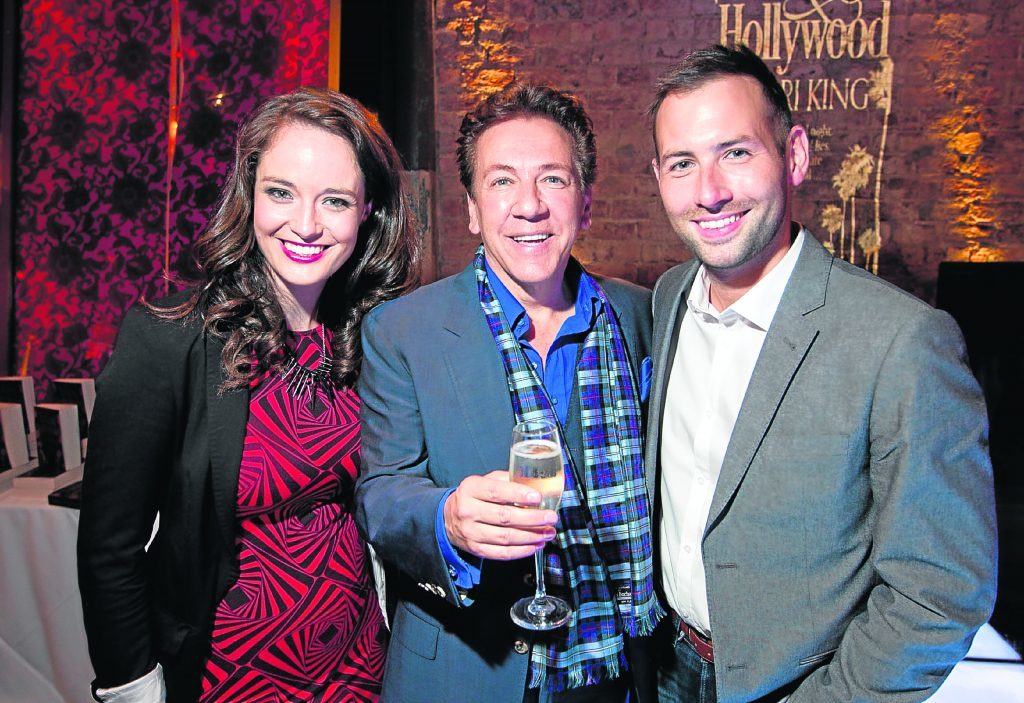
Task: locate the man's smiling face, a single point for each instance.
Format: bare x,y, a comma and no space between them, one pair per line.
527,204
723,180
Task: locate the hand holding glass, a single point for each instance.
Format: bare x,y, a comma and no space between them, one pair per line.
536,461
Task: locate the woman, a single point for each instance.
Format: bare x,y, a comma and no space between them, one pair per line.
229,410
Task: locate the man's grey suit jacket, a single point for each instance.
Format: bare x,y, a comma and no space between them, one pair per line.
435,409
850,546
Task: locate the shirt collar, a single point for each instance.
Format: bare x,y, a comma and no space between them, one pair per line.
758,305
586,303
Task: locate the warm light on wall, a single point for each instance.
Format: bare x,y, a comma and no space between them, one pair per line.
486,63
968,183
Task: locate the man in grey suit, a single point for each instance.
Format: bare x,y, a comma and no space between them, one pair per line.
522,332
817,444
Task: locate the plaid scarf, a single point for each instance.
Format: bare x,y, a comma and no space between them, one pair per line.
608,581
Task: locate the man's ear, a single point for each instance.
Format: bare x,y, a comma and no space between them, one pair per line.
474,215
586,217
798,155
657,171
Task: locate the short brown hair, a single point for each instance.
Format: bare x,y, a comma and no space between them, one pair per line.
717,61
530,100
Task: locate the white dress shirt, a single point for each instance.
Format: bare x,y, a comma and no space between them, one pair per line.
714,359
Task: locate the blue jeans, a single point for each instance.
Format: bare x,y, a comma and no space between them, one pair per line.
682,675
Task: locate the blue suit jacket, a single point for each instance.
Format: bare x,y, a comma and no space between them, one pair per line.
435,409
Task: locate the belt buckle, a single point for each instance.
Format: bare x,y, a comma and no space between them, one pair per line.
703,646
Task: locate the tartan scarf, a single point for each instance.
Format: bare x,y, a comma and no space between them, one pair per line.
607,582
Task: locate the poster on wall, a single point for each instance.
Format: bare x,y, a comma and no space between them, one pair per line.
832,59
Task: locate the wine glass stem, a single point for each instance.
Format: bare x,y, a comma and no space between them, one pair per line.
538,558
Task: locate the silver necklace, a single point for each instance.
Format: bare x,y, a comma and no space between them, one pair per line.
303,382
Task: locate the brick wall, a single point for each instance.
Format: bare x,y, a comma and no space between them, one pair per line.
949,188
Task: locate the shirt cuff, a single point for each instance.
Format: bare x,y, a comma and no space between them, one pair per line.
465,572
146,689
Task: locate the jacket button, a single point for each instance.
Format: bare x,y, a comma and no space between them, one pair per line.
521,647
530,580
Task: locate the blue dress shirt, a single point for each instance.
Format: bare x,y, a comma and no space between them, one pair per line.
557,374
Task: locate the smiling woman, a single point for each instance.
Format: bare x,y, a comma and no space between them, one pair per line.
230,411
243,302
310,202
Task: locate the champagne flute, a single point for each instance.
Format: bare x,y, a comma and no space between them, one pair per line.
535,460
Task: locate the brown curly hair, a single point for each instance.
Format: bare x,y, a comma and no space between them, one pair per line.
237,301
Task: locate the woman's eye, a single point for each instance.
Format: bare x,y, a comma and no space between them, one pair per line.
339,203
278,193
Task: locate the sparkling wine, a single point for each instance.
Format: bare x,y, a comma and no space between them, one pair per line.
537,463
535,460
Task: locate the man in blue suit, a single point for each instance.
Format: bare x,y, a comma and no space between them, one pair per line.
817,443
522,332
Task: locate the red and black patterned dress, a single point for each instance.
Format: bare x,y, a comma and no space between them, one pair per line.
302,622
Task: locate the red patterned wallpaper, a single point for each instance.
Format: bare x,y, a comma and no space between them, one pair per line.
92,151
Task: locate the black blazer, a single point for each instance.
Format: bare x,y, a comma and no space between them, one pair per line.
162,440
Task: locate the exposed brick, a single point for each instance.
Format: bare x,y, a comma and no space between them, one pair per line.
956,64
561,9
619,30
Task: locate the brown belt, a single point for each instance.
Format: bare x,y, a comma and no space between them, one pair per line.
701,645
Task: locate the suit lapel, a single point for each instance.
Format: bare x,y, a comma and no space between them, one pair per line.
789,338
477,376
669,308
228,413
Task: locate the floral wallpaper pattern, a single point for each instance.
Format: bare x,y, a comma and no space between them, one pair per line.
91,153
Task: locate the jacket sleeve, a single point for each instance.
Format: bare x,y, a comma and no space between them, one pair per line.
934,533
130,450
396,500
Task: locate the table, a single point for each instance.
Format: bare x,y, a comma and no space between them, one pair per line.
43,652
991,673
44,657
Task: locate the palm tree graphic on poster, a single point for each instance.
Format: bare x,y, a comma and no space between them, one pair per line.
854,175
880,93
832,219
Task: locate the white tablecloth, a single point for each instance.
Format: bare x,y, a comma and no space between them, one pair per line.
43,654
997,679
